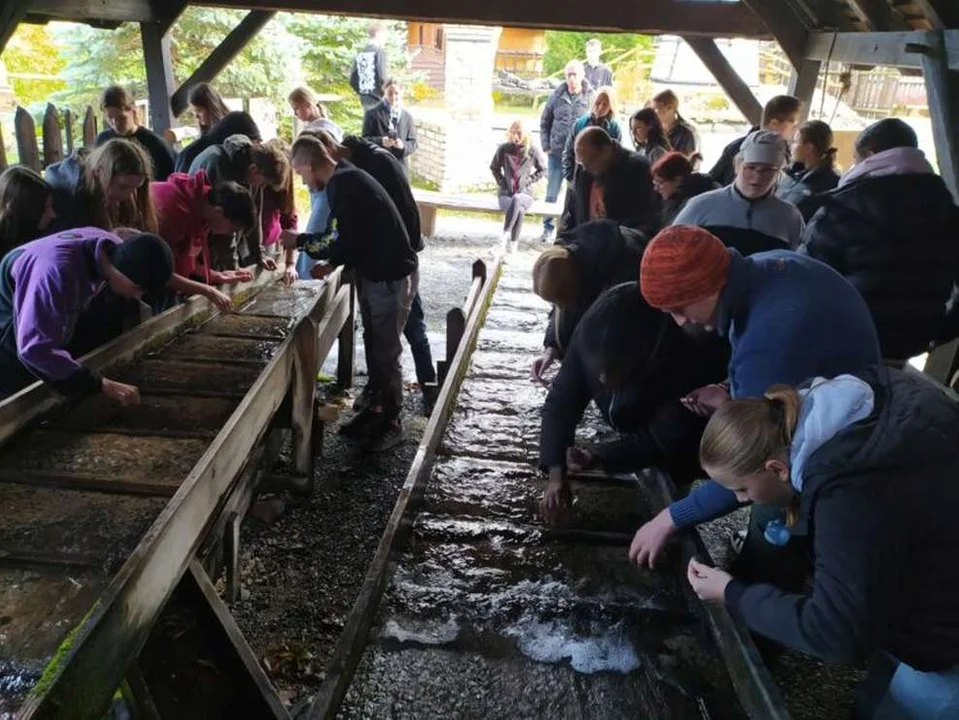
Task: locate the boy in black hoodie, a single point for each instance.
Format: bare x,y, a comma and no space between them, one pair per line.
367,234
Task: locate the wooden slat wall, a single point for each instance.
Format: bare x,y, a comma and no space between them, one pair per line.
57,131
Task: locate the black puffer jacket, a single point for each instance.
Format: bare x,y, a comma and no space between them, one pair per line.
559,114
657,364
692,185
879,501
605,255
628,194
894,238
532,166
802,187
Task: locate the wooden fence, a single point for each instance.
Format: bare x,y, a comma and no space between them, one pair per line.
57,132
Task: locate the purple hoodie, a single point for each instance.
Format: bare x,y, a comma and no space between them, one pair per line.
53,280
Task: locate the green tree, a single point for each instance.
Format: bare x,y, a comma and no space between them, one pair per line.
97,58
33,65
562,46
327,47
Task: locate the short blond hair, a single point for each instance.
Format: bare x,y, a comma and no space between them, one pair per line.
555,277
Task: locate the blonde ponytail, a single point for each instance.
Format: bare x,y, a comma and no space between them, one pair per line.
743,434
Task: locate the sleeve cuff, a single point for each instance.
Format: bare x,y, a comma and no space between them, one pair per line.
734,593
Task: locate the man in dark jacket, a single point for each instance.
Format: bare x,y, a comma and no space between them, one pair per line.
613,183
780,114
369,68
383,167
566,105
390,125
597,74
635,364
365,233
890,229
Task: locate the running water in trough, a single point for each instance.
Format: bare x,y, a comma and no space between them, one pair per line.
492,614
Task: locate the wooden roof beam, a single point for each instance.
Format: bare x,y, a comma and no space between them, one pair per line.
895,49
11,13
878,15
789,29
87,10
222,55
733,85
711,19
941,14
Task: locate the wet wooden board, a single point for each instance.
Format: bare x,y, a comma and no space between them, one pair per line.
283,301
188,377
105,461
196,346
157,414
248,326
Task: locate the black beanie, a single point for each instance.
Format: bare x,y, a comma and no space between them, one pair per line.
146,260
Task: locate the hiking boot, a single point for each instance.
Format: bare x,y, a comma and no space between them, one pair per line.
360,424
363,401
385,436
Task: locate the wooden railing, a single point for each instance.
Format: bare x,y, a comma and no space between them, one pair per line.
57,132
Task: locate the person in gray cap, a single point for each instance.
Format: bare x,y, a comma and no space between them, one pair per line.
747,215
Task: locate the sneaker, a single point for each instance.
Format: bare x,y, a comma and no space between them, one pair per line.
359,424
385,436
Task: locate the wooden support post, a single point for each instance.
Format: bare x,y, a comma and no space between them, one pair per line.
3,153
26,131
52,139
733,85
231,557
137,695
802,84
11,13
68,124
89,128
942,92
791,31
304,395
221,56
346,350
159,66
455,327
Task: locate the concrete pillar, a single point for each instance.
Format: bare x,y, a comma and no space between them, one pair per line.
469,64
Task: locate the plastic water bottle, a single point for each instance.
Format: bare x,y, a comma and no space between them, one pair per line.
777,533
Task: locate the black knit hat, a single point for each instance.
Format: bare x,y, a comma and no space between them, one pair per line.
146,260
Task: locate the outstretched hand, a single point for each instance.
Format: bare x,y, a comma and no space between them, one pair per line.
705,400
708,583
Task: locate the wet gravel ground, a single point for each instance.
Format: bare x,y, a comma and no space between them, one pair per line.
301,571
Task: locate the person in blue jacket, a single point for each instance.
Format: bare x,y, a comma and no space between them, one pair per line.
788,317
866,464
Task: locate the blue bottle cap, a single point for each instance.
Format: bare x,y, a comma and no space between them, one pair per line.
777,533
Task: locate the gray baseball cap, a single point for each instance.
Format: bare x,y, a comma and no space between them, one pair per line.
764,147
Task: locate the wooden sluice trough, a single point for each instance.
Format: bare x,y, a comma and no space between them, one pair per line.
106,508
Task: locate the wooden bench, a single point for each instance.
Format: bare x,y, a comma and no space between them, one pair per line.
429,201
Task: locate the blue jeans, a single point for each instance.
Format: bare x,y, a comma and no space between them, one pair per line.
554,182
415,332
914,695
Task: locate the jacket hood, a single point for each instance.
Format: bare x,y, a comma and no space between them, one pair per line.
193,188
898,161
828,407
66,173
235,145
912,424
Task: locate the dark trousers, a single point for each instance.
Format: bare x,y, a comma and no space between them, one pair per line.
554,182
515,207
384,307
415,333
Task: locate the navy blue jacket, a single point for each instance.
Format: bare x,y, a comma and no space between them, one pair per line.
788,318
879,502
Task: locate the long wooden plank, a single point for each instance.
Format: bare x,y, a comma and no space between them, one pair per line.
19,410
86,10
87,674
942,92
878,15
350,646
714,19
895,49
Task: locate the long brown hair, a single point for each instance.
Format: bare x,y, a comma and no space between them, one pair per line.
204,96
118,157
743,434
279,168
23,201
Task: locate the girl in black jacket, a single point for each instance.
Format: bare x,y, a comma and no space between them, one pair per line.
867,466
648,135
813,171
516,167
676,183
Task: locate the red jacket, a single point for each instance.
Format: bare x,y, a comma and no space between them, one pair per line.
273,220
180,201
